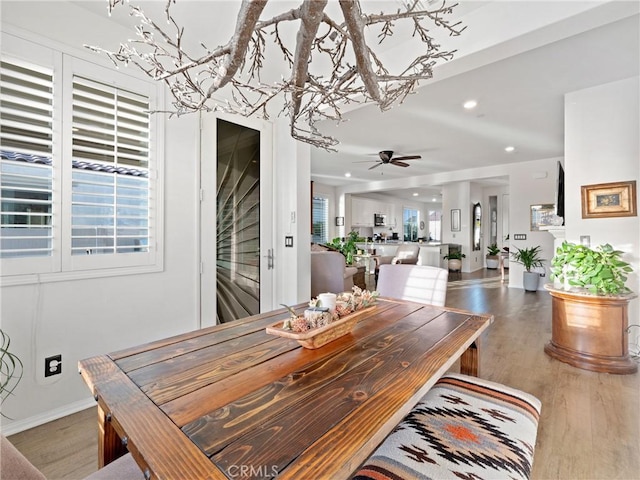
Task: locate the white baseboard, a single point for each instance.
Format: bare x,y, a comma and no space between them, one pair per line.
46,417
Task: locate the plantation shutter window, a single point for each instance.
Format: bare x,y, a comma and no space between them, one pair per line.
26,166
81,168
435,225
410,224
110,170
320,220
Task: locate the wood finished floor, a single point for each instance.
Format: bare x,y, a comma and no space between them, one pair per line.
590,423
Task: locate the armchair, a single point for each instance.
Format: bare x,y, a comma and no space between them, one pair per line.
407,253
329,273
16,466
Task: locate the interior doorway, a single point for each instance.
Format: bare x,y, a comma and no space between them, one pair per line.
236,220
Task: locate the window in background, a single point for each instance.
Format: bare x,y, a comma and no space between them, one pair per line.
26,169
410,224
320,219
110,192
435,225
80,176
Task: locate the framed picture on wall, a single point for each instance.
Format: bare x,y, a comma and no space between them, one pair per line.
455,220
339,221
609,200
542,215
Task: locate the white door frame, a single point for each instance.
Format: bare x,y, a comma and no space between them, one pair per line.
207,228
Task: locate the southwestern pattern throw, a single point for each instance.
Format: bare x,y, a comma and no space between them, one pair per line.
464,428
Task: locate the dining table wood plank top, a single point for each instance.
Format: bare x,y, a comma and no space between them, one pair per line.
231,401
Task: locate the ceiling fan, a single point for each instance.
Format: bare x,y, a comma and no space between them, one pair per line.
387,158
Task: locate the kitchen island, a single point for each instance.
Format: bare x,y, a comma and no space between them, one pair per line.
430,253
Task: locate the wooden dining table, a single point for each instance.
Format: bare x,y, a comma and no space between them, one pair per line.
232,401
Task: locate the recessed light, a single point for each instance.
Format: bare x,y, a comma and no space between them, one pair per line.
415,194
469,104
509,149
434,200
348,174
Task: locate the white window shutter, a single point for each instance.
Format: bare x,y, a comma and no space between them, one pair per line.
320,219
26,170
110,160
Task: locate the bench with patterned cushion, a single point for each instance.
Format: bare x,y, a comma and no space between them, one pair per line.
464,428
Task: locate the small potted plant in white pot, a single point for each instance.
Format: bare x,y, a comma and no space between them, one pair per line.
493,256
590,308
530,258
455,261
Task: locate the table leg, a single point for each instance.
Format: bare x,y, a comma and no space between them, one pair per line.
470,360
110,445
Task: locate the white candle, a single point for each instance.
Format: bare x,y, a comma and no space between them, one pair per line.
327,300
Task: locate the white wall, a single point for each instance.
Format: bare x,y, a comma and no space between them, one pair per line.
601,145
292,164
79,319
82,318
463,196
457,195
329,192
530,183
499,193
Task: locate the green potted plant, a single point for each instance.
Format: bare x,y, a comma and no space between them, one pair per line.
455,260
530,258
600,271
348,247
10,369
590,317
493,256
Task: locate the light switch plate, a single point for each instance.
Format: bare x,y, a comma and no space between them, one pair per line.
288,241
519,236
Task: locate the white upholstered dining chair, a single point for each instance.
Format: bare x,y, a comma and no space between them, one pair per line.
415,283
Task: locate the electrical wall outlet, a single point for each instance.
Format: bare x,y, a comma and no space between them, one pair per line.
53,365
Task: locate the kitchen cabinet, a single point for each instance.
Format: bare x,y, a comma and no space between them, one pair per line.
363,210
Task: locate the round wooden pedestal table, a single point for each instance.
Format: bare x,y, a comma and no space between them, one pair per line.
590,331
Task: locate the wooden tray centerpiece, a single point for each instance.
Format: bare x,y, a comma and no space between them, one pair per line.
319,326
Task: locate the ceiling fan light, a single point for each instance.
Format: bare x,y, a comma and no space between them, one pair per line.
386,155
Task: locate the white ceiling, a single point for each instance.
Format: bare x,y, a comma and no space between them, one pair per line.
518,71
520,103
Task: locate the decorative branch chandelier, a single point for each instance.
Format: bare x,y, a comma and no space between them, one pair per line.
355,74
